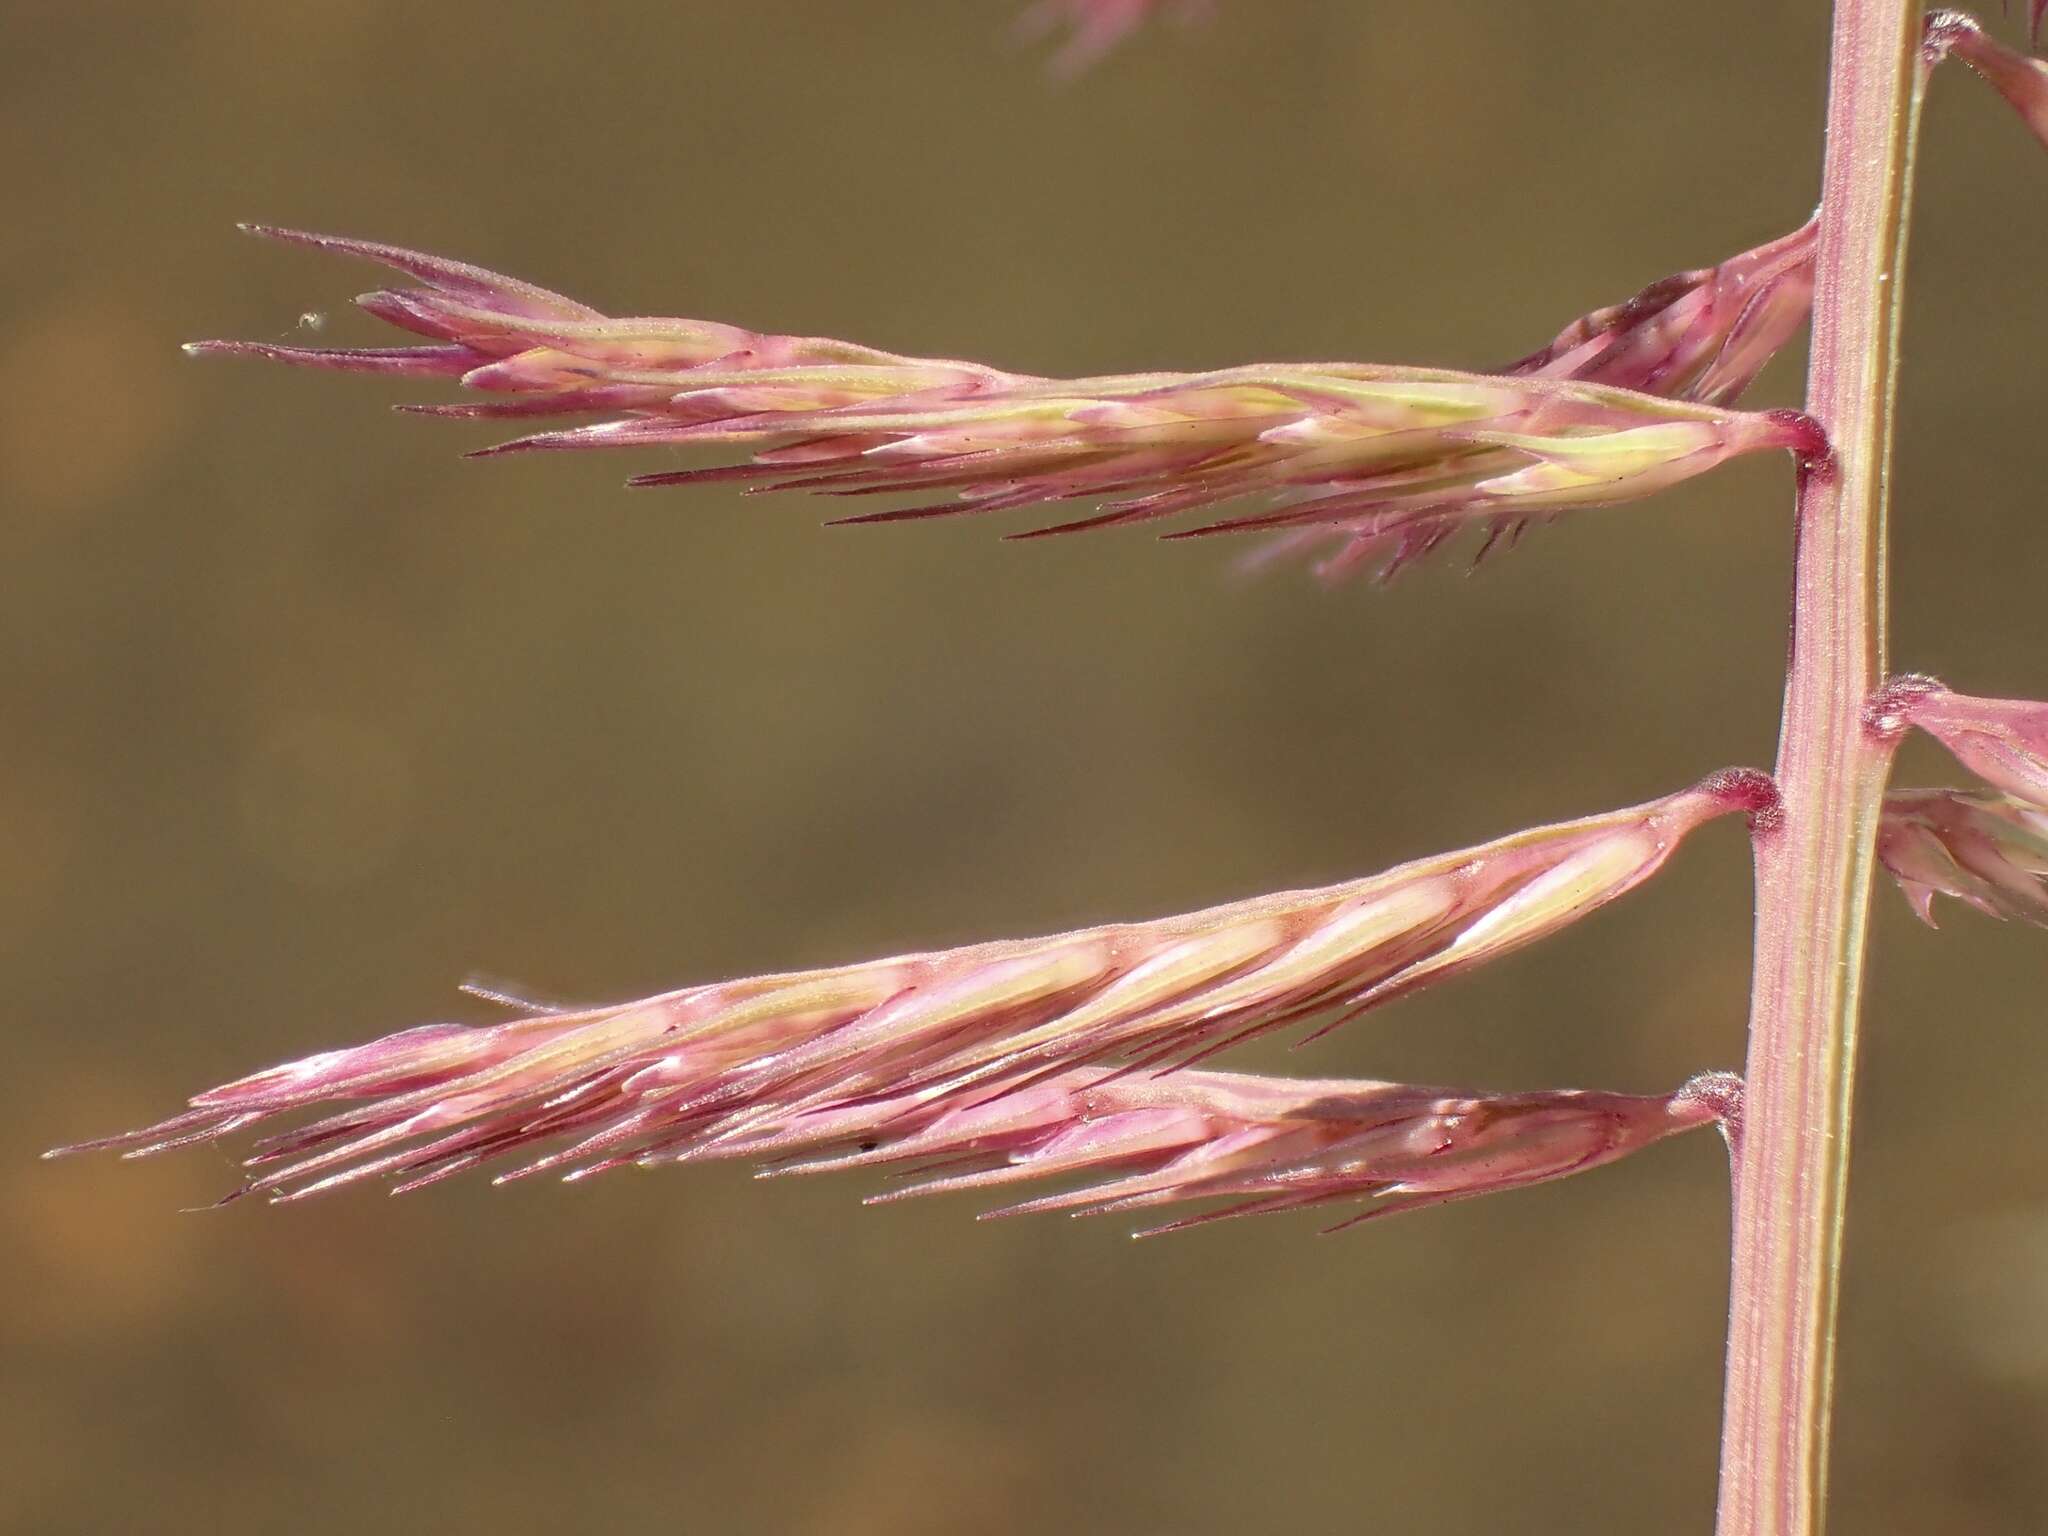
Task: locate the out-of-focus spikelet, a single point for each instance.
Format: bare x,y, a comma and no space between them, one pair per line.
1093,28
2021,80
775,1063
1986,848
1385,462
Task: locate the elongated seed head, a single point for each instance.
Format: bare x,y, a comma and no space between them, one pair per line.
1256,1144
1387,461
762,1062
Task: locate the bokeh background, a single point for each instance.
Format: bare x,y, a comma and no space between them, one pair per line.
305,719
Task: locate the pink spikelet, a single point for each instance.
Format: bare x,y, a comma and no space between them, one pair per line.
773,1063
2003,741
1260,1144
1986,848
1095,27
1702,335
1391,460
2021,80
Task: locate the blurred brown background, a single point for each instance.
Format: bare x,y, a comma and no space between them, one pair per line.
306,718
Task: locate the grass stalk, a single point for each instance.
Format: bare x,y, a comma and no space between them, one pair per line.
1814,866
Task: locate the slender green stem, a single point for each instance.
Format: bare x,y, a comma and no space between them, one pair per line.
1814,864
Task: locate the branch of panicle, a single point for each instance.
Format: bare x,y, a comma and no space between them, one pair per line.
1382,463
881,1049
1260,1145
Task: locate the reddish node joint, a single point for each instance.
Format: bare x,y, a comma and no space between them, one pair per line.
1887,715
1750,790
1944,29
1808,439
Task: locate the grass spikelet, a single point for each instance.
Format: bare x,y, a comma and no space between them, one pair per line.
1385,462
773,1063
